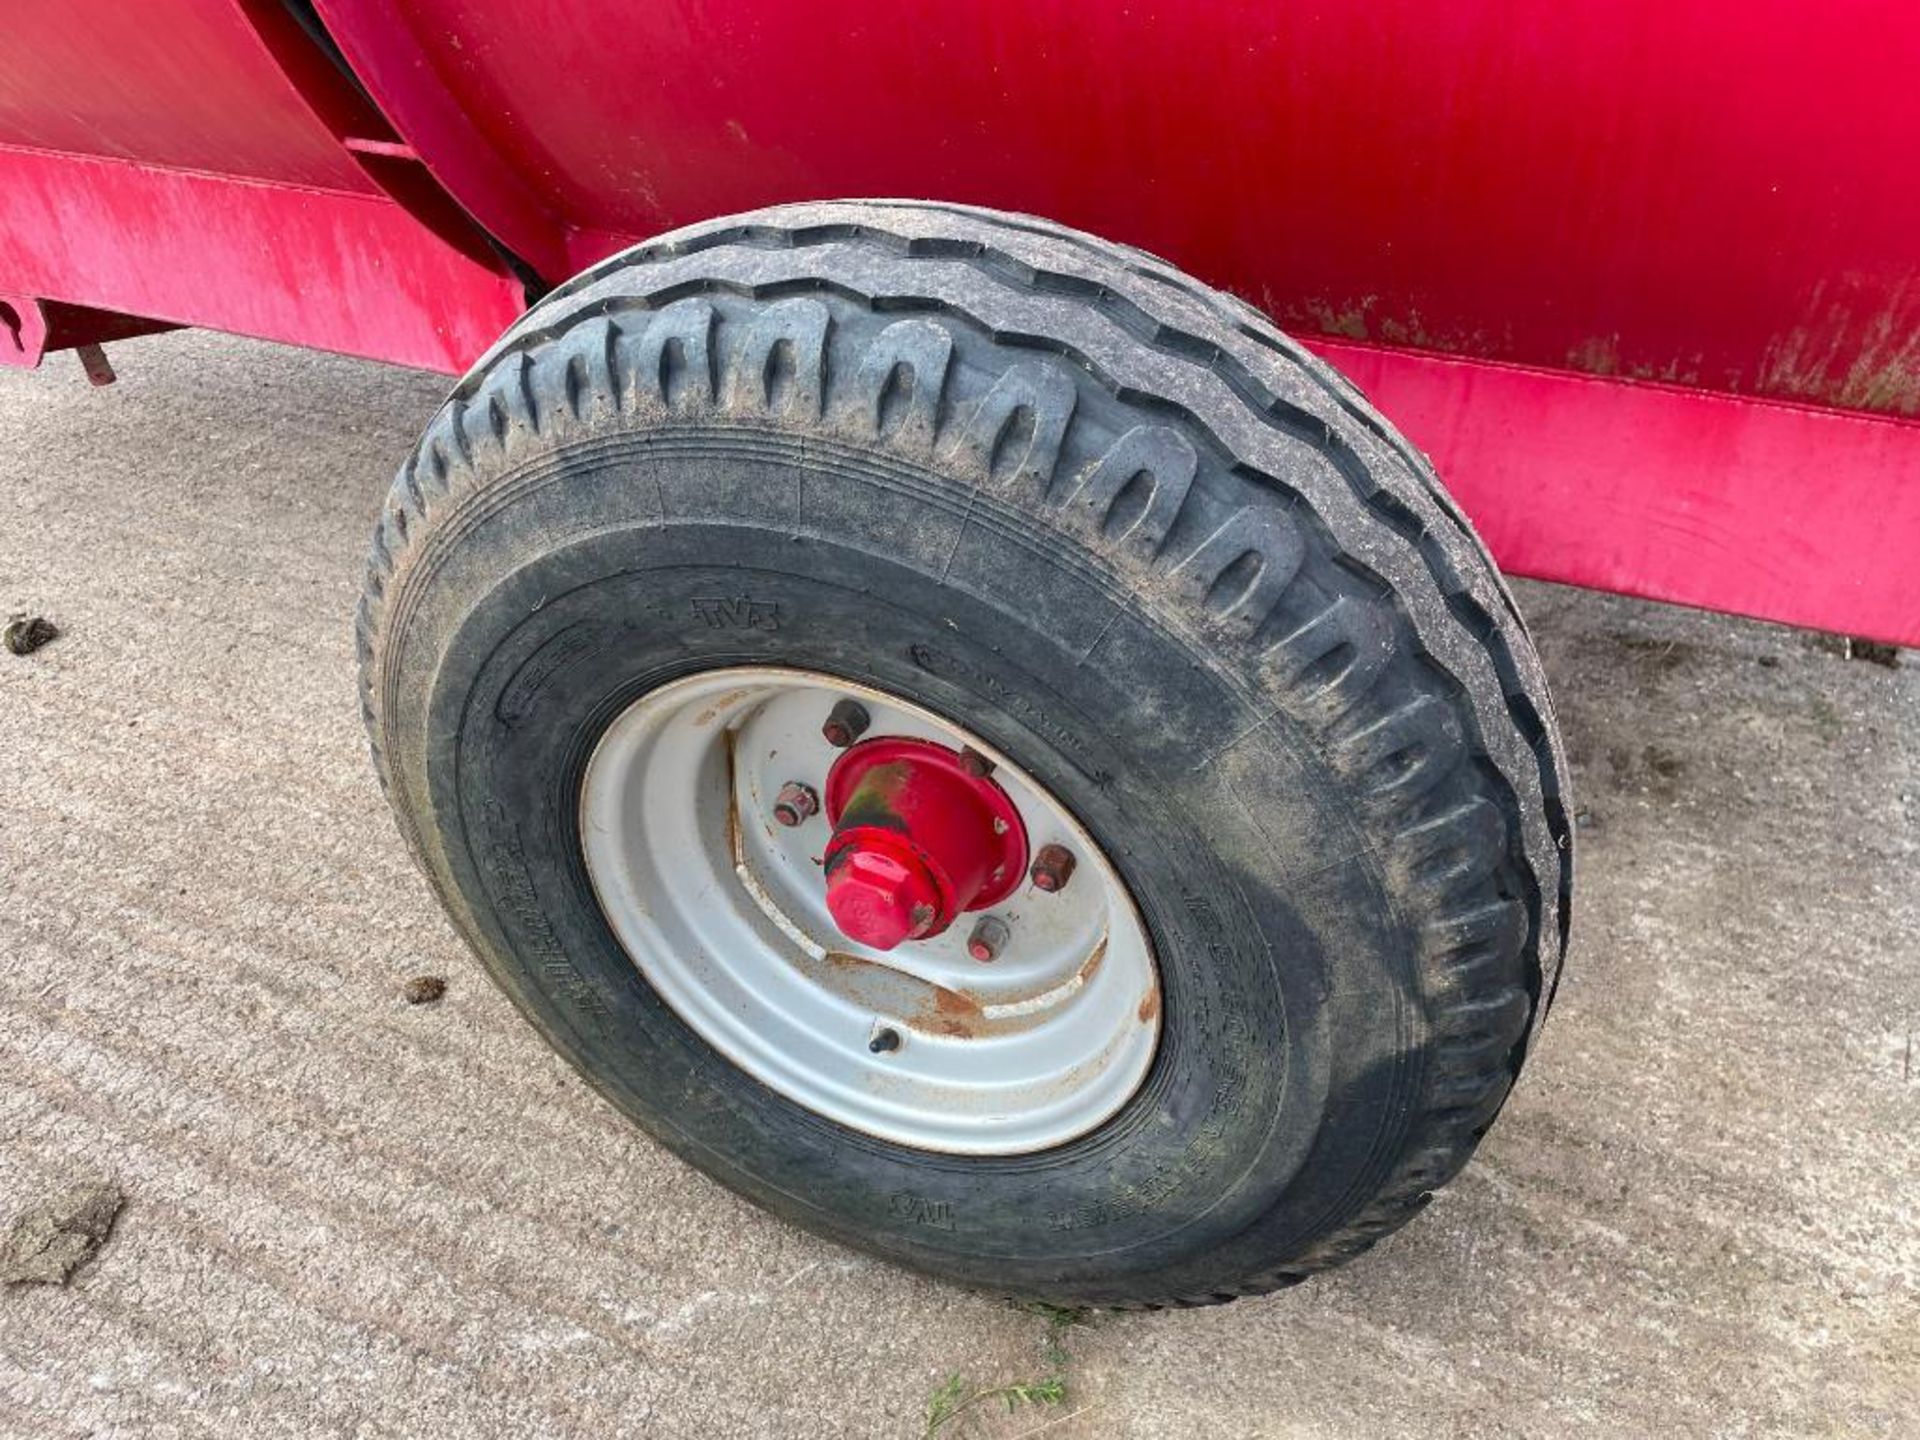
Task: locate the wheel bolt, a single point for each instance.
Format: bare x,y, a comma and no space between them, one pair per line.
1052,868
795,804
989,938
975,764
846,723
883,1041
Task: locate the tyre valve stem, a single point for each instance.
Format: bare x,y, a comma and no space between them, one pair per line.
884,1040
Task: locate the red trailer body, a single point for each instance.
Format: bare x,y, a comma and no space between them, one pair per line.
1641,277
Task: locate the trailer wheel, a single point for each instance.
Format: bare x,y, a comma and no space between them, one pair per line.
978,743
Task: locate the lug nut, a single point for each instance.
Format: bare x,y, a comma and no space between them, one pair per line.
989,939
883,1041
1052,868
795,804
974,763
846,723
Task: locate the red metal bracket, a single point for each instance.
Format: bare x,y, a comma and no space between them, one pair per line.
31,328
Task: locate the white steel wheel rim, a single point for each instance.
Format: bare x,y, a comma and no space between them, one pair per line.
723,911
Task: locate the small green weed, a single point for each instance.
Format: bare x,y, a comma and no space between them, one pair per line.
955,1395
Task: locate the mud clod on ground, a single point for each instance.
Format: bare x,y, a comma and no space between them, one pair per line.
25,634
1664,762
424,989
48,1242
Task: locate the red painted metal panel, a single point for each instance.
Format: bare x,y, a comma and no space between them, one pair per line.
1493,214
410,80
335,271
1779,511
177,83
1665,189
195,163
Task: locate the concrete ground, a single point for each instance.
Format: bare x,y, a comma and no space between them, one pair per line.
349,1216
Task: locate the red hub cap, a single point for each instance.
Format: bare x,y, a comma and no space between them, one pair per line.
920,836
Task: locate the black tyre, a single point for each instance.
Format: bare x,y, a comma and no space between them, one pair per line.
1118,526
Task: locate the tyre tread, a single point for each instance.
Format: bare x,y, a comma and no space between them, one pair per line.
1487,966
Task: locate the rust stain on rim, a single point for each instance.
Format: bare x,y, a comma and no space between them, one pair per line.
929,1008
1090,966
950,1012
718,706
735,850
920,1005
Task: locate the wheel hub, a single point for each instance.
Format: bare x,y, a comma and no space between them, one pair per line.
921,835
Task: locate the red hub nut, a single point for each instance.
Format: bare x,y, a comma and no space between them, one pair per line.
918,840
880,895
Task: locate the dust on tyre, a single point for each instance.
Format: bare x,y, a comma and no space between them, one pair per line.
1059,498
